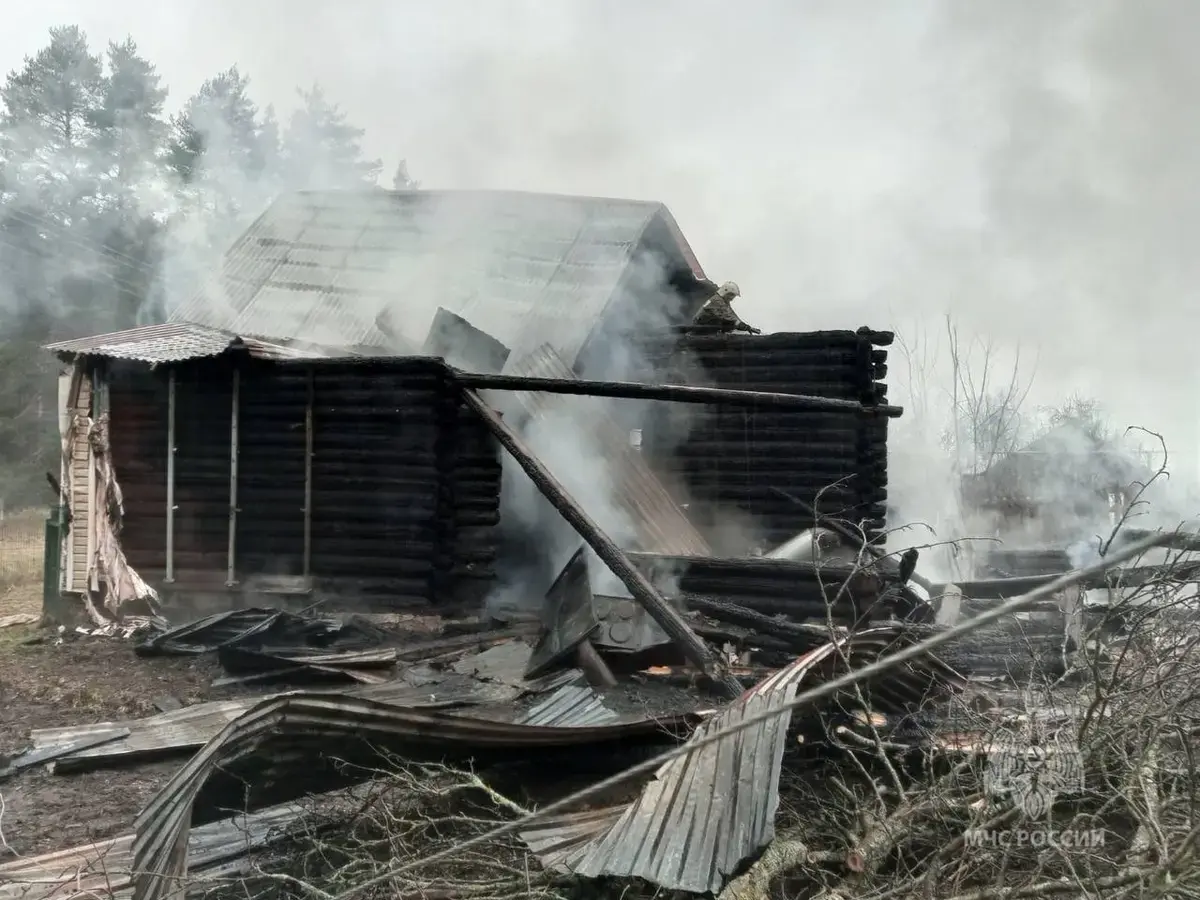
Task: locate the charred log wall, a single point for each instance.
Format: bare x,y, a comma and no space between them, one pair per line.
138,404
733,458
272,442
1029,644
138,442
475,483
203,431
405,481
1024,563
378,478
800,591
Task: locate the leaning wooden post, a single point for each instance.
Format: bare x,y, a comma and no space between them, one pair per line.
635,582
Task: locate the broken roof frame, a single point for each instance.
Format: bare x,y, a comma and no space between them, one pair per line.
523,265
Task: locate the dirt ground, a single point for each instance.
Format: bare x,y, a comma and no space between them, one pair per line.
76,681
49,679
22,537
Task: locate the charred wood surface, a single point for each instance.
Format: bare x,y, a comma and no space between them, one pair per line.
138,442
732,458
405,485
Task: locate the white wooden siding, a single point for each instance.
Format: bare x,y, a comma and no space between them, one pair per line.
81,484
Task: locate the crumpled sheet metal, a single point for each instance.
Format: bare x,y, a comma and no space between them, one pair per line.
571,706
103,868
260,627
272,728
707,812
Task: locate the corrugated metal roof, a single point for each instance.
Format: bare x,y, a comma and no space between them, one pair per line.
525,268
707,812
571,706
105,868
293,730
179,341
152,343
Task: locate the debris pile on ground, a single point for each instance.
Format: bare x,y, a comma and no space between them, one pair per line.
268,644
476,723
811,723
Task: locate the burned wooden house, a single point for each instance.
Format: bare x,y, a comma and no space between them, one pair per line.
307,425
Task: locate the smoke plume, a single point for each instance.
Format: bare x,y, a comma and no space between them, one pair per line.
1025,166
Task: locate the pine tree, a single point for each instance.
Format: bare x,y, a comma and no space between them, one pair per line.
322,150
222,152
129,158
217,135
49,123
131,130
49,128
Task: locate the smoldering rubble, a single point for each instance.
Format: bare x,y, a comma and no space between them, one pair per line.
482,707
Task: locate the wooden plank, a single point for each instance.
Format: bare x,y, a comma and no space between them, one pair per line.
80,495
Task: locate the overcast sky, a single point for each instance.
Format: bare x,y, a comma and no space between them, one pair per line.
1030,166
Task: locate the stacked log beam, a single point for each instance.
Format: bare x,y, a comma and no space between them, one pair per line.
736,458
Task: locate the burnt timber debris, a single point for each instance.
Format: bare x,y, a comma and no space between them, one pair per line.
294,509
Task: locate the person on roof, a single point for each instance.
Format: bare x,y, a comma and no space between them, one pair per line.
718,311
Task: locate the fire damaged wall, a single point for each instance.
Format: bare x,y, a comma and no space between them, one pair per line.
378,477
138,410
401,482
272,449
138,440
736,458
474,486
203,429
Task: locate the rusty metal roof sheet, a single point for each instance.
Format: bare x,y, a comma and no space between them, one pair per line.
707,812
291,731
640,496
326,265
179,341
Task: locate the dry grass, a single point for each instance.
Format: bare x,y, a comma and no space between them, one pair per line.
22,539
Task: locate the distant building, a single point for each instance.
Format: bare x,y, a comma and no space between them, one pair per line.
1064,485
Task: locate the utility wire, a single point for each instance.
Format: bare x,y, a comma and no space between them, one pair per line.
820,692
110,276
63,234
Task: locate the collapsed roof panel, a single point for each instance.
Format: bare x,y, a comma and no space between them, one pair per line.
276,729
707,812
523,267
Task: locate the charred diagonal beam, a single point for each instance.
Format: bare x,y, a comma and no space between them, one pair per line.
796,634
679,393
610,554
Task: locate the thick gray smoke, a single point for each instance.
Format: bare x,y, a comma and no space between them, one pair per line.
1024,165
568,441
